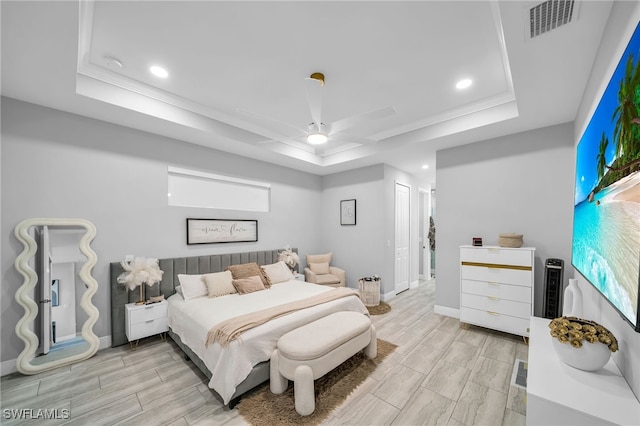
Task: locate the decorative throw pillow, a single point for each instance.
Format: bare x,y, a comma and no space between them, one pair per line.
278,272
219,283
246,270
249,284
192,286
319,268
319,258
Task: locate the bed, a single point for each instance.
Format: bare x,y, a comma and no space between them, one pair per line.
242,364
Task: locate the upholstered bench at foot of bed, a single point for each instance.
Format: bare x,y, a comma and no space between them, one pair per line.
311,351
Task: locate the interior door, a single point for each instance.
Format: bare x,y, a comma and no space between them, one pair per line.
402,265
45,289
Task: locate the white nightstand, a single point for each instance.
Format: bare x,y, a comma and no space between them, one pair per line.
145,320
298,276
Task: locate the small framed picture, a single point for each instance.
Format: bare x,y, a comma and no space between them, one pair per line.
348,212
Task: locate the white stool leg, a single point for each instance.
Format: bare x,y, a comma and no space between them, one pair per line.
371,351
277,382
305,400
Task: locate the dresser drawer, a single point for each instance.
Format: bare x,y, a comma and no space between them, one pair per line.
501,291
147,328
497,255
496,275
496,305
495,321
144,313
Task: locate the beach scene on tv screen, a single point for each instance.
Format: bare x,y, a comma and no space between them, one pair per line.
606,221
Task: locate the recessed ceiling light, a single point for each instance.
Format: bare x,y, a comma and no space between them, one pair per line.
463,84
425,166
158,71
316,138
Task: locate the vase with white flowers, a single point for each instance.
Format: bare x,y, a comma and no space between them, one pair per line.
289,257
138,272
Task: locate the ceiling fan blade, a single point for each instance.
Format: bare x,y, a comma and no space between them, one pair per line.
314,97
345,137
356,120
272,120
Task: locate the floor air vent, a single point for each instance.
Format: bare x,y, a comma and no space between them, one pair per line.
550,15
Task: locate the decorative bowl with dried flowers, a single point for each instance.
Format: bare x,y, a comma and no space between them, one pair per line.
138,272
581,343
289,257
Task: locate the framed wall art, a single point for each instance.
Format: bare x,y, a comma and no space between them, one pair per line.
210,231
348,212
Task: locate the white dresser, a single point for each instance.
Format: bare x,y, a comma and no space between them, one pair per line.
496,287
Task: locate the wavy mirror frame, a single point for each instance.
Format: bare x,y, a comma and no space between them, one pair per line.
23,362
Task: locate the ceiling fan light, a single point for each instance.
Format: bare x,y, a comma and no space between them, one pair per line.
316,138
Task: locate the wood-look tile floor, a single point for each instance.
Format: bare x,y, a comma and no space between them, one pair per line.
440,374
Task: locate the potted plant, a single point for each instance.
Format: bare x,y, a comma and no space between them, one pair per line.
289,257
582,343
140,271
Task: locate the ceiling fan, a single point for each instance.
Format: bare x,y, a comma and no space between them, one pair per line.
318,132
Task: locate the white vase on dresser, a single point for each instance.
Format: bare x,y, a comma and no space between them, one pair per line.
497,287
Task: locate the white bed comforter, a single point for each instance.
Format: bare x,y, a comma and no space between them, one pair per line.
192,320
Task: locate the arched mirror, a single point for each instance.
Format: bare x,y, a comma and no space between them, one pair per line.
56,293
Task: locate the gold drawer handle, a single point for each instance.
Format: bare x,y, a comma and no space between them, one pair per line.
493,283
493,313
493,298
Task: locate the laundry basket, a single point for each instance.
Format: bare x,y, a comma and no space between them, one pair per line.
370,290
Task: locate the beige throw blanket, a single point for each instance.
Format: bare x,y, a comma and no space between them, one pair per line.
230,329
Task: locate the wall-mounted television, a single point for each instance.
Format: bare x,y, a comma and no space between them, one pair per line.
606,217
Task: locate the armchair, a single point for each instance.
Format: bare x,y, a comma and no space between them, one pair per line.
319,271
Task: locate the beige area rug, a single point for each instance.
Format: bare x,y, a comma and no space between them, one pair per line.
261,407
380,309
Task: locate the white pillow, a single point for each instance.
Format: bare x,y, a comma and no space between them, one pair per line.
278,272
192,286
219,283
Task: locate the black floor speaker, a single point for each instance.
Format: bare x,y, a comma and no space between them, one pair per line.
553,288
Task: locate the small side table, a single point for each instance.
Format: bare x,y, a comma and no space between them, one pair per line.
298,276
145,320
370,291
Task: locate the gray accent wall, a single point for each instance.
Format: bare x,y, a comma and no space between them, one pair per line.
520,183
56,164
622,22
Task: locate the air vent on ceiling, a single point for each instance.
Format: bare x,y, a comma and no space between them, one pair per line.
550,15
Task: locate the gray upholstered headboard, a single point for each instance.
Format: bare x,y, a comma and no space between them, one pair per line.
120,295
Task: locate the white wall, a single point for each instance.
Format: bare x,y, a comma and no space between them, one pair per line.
368,247
56,164
358,249
520,183
622,22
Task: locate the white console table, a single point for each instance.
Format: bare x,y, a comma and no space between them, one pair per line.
558,394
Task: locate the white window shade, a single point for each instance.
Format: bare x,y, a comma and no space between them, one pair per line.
191,188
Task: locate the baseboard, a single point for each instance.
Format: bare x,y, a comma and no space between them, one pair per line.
105,342
446,311
9,366
388,296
